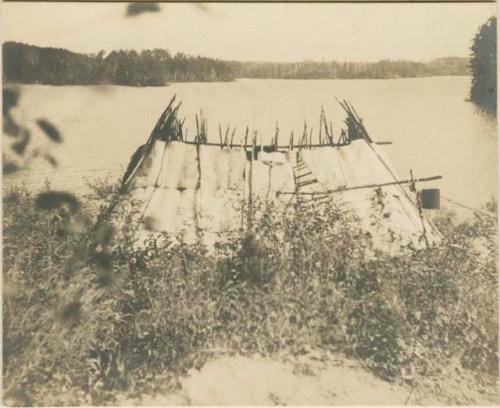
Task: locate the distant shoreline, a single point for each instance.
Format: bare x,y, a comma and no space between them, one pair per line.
13,83
10,83
28,64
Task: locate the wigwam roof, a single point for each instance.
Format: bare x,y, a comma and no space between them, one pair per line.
203,189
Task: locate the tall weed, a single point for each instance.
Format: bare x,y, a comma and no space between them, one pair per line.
92,314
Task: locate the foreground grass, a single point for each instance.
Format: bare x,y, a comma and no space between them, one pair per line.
88,316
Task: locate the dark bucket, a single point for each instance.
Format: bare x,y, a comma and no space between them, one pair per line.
430,198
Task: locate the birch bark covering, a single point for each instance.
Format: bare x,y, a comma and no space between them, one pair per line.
202,191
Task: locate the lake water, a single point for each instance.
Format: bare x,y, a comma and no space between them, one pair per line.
433,129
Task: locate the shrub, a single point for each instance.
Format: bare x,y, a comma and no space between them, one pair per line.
296,280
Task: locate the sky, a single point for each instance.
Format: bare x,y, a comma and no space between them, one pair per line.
257,32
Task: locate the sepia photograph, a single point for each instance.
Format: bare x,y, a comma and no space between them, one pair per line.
241,204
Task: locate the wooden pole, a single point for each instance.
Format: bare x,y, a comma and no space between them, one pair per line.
220,136
412,183
342,189
232,137
276,133
205,131
250,182
328,134
303,142
226,136
320,119
181,127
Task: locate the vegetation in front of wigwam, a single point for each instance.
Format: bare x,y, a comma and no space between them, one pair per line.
483,65
89,318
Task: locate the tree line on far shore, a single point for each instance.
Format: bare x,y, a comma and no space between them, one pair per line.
351,70
25,63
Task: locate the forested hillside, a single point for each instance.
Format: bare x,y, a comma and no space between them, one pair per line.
483,64
30,64
55,66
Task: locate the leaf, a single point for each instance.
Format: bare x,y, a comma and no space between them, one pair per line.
51,159
9,168
134,9
50,130
55,199
10,127
10,98
20,146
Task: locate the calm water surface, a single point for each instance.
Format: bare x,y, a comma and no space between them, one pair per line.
433,129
